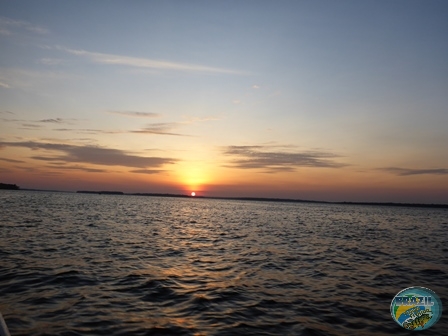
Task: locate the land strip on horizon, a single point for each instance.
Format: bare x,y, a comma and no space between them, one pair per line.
259,199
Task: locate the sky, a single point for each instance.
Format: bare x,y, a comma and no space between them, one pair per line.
323,100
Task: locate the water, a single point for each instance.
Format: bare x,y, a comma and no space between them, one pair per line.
77,264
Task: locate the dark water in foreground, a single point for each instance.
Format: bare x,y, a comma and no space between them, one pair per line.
74,264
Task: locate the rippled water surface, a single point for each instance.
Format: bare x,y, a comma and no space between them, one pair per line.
78,264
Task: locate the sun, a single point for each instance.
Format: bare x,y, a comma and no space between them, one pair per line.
193,193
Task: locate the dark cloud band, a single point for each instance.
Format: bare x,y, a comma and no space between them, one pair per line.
264,157
91,154
407,172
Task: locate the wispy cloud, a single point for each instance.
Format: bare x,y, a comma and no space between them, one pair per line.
88,131
56,121
91,155
32,123
31,126
255,86
47,158
160,129
136,114
408,172
11,160
137,62
167,128
7,24
4,85
77,167
266,157
146,171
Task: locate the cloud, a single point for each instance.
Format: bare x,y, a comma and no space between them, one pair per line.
136,114
154,128
408,172
146,171
92,155
87,131
160,129
47,158
4,85
265,157
77,167
6,23
31,126
136,62
53,121
11,160
255,87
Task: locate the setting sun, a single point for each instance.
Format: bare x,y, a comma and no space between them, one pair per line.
193,194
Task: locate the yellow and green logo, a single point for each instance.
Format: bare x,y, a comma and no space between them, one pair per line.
416,308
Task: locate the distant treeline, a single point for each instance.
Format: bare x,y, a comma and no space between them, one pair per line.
164,195
132,194
9,186
100,192
288,200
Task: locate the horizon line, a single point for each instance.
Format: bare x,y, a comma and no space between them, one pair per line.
244,198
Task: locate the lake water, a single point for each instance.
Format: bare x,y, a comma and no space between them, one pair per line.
80,264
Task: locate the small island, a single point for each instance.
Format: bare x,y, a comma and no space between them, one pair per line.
7,186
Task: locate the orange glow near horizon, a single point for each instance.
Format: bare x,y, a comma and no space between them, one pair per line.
304,184
193,176
205,179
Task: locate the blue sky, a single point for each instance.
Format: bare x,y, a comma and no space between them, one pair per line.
336,100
